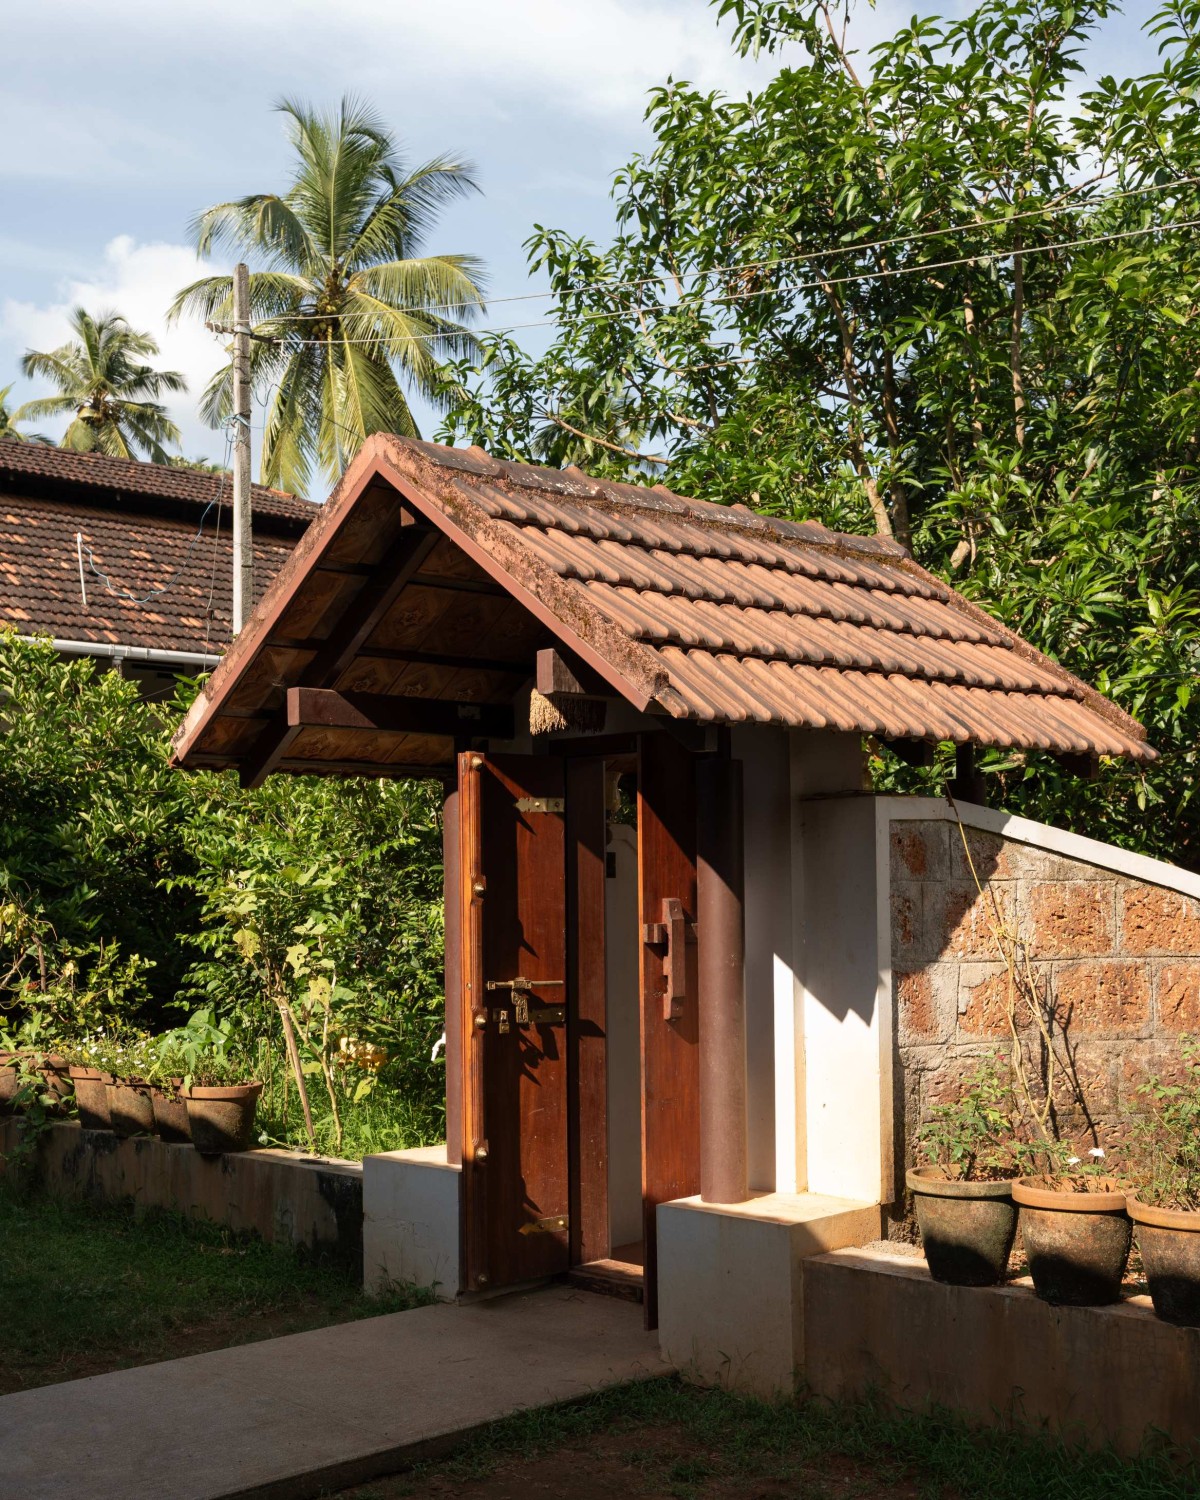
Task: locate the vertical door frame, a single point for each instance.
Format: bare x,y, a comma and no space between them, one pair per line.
473,1214
670,1051
587,1023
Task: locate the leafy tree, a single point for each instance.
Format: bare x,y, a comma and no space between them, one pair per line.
910,295
128,890
103,379
348,308
9,431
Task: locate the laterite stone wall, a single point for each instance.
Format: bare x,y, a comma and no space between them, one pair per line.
1120,959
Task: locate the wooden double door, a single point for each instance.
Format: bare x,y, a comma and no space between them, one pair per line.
533,1093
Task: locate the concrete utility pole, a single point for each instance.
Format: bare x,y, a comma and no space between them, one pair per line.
243,550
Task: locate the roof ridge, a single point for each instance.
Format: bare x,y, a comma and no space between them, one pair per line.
615,495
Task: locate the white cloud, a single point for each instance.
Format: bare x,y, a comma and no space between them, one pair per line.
139,281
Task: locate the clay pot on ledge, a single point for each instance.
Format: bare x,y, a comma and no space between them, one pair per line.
10,1081
170,1113
1077,1242
91,1097
130,1107
967,1228
1169,1239
55,1073
221,1118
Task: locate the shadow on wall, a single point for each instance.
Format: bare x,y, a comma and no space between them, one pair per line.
1082,973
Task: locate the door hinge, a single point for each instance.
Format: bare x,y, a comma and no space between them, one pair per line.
541,804
546,1226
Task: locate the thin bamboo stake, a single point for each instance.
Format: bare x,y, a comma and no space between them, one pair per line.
289,1036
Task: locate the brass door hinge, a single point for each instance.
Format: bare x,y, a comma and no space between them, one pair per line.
541,804
545,1226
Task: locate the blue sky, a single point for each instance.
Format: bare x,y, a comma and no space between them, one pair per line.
125,120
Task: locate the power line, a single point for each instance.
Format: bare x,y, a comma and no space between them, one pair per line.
785,260
823,282
159,589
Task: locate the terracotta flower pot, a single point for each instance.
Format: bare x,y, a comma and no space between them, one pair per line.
130,1107
1077,1243
222,1118
10,1081
1169,1239
91,1097
170,1113
56,1077
967,1228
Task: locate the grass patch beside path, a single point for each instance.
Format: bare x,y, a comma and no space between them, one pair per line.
86,1288
665,1438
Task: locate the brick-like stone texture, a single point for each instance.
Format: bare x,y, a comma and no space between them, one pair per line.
963,922
1070,918
1158,921
1103,999
1117,960
1179,997
985,994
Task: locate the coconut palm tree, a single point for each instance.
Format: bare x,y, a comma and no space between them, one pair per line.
9,431
347,310
102,378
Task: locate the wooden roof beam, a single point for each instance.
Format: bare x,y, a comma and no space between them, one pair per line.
322,708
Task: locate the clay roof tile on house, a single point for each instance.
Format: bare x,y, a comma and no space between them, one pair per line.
155,532
436,574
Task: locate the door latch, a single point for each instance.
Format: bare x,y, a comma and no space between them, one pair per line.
520,987
674,933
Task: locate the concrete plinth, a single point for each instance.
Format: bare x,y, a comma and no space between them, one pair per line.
877,1323
411,1219
284,1197
730,1301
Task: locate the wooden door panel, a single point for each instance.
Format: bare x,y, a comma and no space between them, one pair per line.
670,1047
515,1091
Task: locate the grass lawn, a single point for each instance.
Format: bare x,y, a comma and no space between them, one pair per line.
665,1438
86,1288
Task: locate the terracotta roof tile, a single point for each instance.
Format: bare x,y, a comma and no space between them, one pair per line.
718,614
39,574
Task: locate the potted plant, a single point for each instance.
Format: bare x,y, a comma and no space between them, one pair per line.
90,1081
130,1105
221,1102
164,1074
963,1194
1075,1229
1165,1203
30,1067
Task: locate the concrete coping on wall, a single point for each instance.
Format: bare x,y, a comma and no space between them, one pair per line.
1045,836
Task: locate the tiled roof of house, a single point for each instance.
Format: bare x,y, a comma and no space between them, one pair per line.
159,528
690,609
161,482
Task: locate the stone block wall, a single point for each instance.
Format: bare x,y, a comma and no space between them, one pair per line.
1118,957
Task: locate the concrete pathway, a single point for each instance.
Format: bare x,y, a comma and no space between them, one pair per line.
303,1415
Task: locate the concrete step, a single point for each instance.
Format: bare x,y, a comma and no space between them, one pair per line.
287,1418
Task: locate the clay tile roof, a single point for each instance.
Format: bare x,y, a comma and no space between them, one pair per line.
146,525
39,462
713,613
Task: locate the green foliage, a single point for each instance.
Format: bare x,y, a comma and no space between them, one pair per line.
855,295
1165,1137
133,896
9,430
346,298
107,388
975,1136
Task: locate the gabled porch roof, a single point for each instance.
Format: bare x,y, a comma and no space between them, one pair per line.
410,616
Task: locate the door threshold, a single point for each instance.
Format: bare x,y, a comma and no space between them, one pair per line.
610,1278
